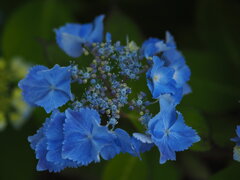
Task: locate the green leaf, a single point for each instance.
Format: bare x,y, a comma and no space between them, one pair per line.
133,117
157,171
125,167
212,83
230,173
193,166
164,171
222,129
29,31
121,26
17,158
216,31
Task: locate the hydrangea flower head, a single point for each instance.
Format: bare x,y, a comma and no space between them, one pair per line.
170,134
87,128
72,37
48,88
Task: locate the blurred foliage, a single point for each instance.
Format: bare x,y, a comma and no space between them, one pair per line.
194,167
207,32
12,107
131,168
122,27
231,173
29,32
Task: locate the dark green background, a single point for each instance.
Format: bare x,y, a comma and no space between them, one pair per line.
206,31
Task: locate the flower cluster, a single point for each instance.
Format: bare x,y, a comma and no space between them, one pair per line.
82,127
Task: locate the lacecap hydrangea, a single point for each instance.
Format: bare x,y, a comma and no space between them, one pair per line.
87,129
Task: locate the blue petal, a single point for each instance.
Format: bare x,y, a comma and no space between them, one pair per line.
182,75
142,137
84,137
108,37
97,33
43,163
153,46
140,147
36,138
85,31
181,136
174,57
171,100
81,122
82,151
49,88
161,88
165,74
176,61
110,151
169,132
238,131
170,40
30,85
70,44
123,140
105,142
72,37
186,89
54,135
166,152
102,136
237,139
160,79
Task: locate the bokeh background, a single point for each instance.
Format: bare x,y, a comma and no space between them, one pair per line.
207,33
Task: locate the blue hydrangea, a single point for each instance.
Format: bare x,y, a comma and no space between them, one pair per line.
160,78
87,128
48,88
72,37
170,134
85,137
